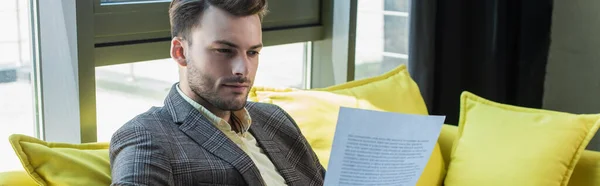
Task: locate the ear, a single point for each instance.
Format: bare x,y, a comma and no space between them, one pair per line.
177,51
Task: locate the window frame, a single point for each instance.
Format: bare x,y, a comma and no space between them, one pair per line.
122,54
127,7
152,16
61,41
329,46
333,57
112,47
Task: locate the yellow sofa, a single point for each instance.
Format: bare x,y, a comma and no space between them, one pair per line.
587,172
314,111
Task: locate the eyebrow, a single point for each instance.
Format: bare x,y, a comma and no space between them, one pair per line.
230,44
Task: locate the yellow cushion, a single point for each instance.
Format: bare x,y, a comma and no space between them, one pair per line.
316,111
16,178
61,163
586,173
499,144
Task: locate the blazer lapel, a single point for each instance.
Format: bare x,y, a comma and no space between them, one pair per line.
271,146
199,129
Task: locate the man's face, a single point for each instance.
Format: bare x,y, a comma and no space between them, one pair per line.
222,58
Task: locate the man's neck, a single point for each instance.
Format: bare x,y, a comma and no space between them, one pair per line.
223,114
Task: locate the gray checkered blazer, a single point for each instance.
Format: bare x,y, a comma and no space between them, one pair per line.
177,145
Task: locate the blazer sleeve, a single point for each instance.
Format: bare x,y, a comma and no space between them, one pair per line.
136,158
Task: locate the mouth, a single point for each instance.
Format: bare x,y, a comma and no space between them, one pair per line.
237,88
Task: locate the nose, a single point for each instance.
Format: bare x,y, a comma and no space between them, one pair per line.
240,66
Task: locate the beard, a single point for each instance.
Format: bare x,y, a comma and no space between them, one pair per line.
204,86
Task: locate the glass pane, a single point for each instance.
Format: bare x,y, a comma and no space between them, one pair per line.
381,36
282,66
124,91
397,5
16,99
396,34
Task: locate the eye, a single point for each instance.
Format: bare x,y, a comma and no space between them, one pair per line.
253,53
224,51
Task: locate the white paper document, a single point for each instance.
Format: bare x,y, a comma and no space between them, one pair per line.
381,148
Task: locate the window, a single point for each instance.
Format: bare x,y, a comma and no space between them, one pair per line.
126,90
123,91
381,36
129,35
283,66
17,115
124,42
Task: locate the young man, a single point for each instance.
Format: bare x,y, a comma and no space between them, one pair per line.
207,134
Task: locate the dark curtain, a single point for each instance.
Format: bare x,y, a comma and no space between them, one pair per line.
496,49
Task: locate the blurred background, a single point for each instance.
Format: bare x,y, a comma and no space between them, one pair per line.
75,71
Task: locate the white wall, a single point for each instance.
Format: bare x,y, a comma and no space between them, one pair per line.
573,71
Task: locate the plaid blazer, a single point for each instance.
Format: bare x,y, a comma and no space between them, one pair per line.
177,145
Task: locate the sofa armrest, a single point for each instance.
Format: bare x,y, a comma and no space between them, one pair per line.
446,141
16,178
586,173
587,170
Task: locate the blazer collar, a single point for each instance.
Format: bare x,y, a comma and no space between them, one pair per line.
178,108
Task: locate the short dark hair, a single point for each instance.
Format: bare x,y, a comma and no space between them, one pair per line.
184,14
